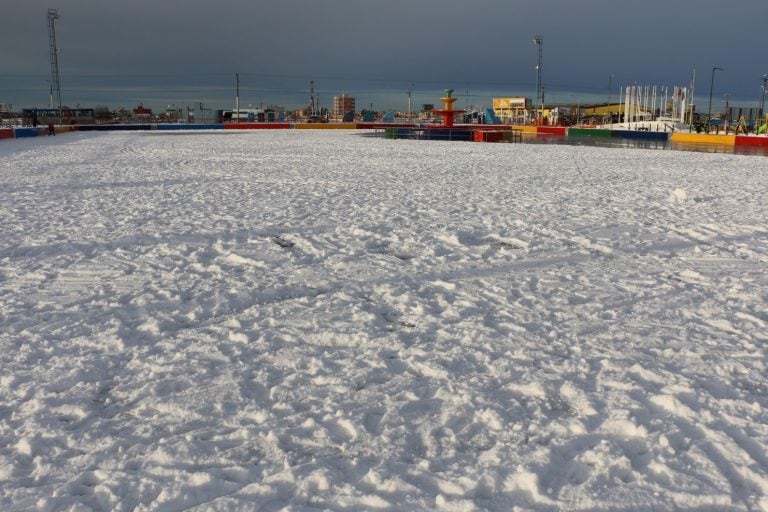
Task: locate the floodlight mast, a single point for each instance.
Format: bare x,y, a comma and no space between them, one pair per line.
764,89
711,84
237,96
539,41
55,86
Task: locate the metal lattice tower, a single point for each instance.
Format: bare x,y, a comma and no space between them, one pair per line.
52,17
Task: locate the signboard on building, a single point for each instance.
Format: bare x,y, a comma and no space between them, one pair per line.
511,103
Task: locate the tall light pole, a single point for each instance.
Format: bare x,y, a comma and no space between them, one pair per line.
409,105
312,105
711,84
762,101
539,41
237,96
610,81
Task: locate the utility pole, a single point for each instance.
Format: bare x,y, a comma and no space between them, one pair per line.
312,106
610,82
762,103
55,85
237,96
409,105
466,106
711,84
727,112
539,42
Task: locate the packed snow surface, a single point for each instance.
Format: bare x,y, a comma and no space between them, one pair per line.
312,320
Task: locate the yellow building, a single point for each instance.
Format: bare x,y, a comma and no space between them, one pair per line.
511,109
602,110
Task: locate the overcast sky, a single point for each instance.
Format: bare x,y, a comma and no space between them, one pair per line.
157,50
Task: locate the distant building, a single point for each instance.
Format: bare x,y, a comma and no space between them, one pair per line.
511,110
142,112
342,105
44,116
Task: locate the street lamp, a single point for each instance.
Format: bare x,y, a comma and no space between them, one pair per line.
711,83
762,100
610,81
50,96
539,42
409,104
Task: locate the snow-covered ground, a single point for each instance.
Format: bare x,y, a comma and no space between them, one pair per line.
309,320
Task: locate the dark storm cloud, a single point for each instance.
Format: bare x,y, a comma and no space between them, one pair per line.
487,43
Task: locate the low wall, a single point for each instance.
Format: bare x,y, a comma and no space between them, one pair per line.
462,132
115,127
746,140
29,132
190,127
373,126
67,128
257,126
490,135
590,132
703,138
551,130
325,126
636,134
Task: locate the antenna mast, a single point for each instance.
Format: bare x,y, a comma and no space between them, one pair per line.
55,86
